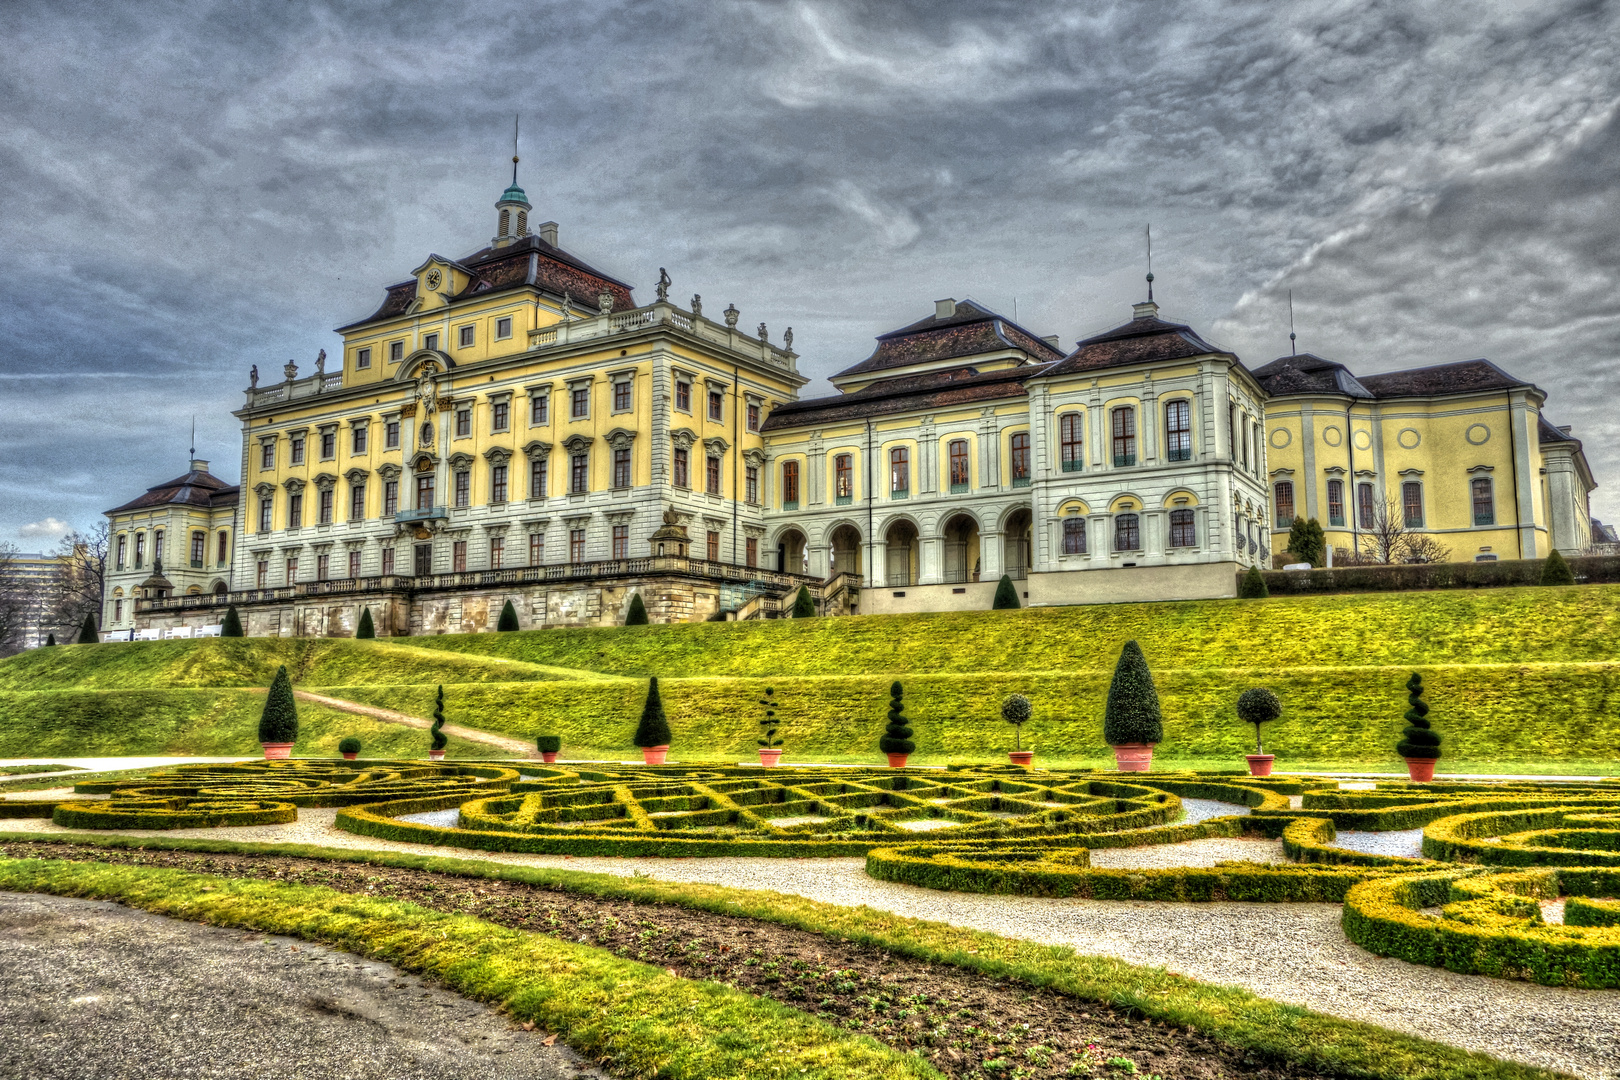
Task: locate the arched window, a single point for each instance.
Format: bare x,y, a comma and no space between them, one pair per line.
1484,503
506,220
1020,459
1124,425
1071,435
1183,530
899,472
1412,504
523,223
1074,536
790,485
1335,497
1178,430
959,465
1127,532
1285,502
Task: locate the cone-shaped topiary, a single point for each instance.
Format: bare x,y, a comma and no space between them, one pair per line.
50,639
1419,740
1253,585
365,629
231,625
350,745
1257,706
87,632
1017,710
548,744
636,613
279,722
1132,714
1555,571
804,605
508,620
1006,595
768,722
440,741
653,729
897,736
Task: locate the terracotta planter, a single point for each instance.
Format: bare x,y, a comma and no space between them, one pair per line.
277,750
898,761
1021,757
1420,769
347,756
1260,764
1134,757
768,757
436,755
654,755
549,756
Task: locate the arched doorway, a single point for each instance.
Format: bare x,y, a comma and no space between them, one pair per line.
220,588
901,550
846,550
790,552
961,549
1015,545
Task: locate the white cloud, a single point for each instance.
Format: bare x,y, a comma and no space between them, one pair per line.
46,529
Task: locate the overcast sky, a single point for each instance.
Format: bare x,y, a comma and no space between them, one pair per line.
187,189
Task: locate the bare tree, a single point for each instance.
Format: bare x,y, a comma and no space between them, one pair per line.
1383,540
80,589
16,597
1423,548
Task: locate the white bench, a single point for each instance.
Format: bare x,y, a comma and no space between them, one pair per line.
208,631
154,633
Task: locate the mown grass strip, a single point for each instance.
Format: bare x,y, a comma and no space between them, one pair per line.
635,1018
1266,1028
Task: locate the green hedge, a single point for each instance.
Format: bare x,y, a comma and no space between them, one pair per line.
171,814
1588,570
28,808
1471,837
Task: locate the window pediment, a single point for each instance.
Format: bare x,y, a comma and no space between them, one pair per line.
389,471
265,490
294,485
683,437
497,455
326,481
620,438
576,444
537,449
356,476
716,446
460,460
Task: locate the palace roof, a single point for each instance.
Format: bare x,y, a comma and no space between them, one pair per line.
196,488
1310,374
1307,373
970,330
1146,339
930,390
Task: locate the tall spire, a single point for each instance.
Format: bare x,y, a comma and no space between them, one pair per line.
515,120
193,437
513,206
1150,261
1293,350
1147,309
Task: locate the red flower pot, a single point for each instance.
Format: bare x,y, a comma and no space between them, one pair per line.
549,756
768,757
1260,764
277,750
436,755
1420,769
898,761
654,755
1134,757
350,756
1021,757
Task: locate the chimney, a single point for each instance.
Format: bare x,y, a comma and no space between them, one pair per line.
944,309
1052,340
548,233
199,465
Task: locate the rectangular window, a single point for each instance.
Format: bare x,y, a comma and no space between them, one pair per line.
463,423
431,341
118,611
579,479
717,405
357,438
391,435
261,574
123,548
751,485
199,548
683,396
1124,421
298,450
1178,430
537,549
1259,449
458,557
500,415
958,453
497,552
899,472
540,408
753,417
396,351
295,511
424,491
265,511
292,571
844,479
1231,430
1071,436
388,562
267,454
712,476
683,459
714,546
1183,532
224,546
621,395
362,358
324,513
497,483
469,336
463,488
1285,503
1335,499
621,541
537,478
576,545
580,396
390,498
503,327
1364,504
1479,488
1412,504
354,564
1127,532
1020,459
328,444
1245,444
357,502
621,467
753,551
323,567
1074,536
790,486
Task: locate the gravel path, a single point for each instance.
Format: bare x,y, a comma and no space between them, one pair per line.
1406,843
161,998
1195,810
1294,953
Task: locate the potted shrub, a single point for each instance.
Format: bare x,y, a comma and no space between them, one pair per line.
278,725
896,741
1257,706
770,747
548,745
436,752
349,748
1017,710
652,734
1420,745
1131,723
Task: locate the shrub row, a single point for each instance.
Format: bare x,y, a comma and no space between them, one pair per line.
171,814
1416,815
1472,838
1308,840
27,808
1588,570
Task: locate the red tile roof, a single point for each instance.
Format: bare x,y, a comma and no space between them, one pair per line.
971,331
199,489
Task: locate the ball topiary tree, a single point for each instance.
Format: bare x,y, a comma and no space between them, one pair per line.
1006,595
1253,585
87,632
508,620
636,613
1257,706
278,724
231,624
896,738
1017,710
1555,571
366,629
1132,715
1419,740
653,730
440,741
804,606
349,745
548,744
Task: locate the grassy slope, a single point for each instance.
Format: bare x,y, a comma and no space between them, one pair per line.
209,723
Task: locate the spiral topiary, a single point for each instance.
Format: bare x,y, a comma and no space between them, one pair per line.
896,737
770,741
440,741
1419,740
1017,710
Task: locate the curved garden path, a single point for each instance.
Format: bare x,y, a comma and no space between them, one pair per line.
505,744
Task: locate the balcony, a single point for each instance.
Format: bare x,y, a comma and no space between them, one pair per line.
959,488
843,500
1073,465
900,493
1020,481
434,513
1122,461
790,504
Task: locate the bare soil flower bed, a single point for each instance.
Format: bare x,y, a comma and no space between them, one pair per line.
965,1023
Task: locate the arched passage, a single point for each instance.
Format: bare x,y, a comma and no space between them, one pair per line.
846,550
790,552
901,554
1015,544
961,535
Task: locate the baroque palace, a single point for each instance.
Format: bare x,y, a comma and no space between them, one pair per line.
512,426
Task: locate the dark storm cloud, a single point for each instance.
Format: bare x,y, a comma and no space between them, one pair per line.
188,189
